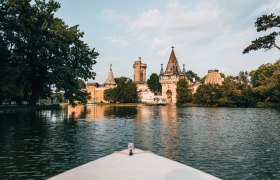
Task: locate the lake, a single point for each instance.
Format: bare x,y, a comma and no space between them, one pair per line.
230,143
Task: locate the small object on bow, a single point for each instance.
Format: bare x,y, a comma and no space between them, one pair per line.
130,147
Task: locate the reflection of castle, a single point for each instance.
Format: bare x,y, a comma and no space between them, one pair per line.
168,79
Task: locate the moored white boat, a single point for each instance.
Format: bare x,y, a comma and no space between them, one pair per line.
141,165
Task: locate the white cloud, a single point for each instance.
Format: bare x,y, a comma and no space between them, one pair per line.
118,40
211,32
178,26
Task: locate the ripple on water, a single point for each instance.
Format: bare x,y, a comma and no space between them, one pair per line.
231,143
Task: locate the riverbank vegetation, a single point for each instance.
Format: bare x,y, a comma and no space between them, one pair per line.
259,88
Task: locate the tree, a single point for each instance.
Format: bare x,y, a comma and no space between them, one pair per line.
125,92
109,96
207,94
267,42
191,75
236,92
154,84
44,50
265,81
184,93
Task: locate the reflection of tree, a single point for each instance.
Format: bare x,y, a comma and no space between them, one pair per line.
120,111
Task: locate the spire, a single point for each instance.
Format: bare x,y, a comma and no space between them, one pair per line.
161,70
110,78
172,67
184,70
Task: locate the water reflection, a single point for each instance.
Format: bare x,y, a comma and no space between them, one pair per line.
93,112
231,143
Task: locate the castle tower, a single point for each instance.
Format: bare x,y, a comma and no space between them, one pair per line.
214,77
170,78
139,71
110,81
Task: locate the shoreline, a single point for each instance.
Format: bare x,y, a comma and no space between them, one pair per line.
27,108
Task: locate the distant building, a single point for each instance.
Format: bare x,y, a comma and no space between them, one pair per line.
170,78
144,93
213,77
97,91
139,72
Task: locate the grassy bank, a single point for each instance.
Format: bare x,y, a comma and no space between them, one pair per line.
267,105
118,104
258,105
26,108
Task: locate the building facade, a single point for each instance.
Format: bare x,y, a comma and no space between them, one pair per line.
170,77
97,91
139,72
213,77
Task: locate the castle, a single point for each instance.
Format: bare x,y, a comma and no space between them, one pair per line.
97,91
168,79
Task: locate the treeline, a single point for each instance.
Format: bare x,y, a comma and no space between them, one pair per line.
244,90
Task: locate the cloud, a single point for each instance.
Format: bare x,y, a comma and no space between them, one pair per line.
118,40
211,32
178,25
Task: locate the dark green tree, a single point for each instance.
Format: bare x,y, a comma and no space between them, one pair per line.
267,42
44,50
236,92
265,82
109,96
154,84
191,75
207,94
125,92
184,93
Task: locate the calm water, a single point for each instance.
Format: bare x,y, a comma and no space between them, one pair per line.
230,143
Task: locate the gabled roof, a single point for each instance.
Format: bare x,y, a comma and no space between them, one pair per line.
110,78
172,67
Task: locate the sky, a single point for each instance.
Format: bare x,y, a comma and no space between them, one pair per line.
206,34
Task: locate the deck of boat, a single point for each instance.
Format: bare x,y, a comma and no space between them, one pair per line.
142,165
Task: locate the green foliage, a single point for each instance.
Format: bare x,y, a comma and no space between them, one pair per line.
154,84
43,50
109,96
190,75
234,92
265,82
57,96
207,94
184,93
267,42
125,92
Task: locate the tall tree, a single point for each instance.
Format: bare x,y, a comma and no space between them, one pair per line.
154,84
267,42
46,52
184,93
